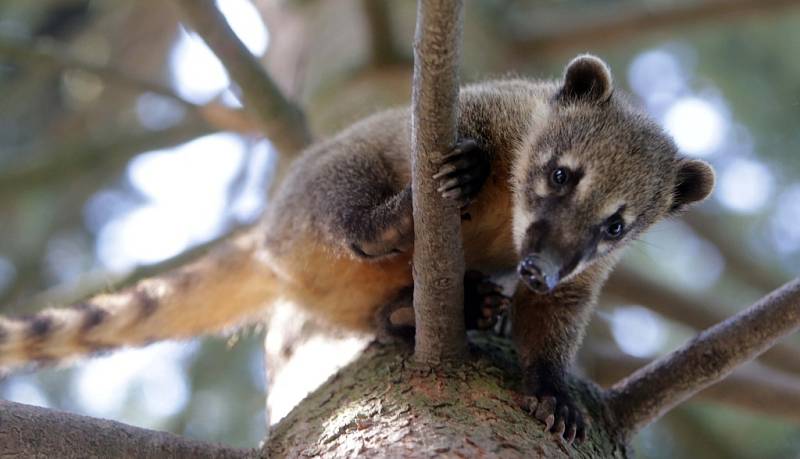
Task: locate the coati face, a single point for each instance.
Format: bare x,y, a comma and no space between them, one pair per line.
592,177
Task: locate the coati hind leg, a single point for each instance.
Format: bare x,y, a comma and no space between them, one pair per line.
484,302
387,227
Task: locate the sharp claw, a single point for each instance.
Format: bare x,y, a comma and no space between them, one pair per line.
548,422
444,170
570,434
452,194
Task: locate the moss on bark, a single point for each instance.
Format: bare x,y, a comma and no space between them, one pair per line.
385,405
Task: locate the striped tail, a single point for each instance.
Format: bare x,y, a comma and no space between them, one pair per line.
222,289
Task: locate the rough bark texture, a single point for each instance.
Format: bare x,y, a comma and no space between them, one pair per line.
386,405
438,254
29,431
712,355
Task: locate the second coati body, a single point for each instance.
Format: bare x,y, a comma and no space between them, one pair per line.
555,178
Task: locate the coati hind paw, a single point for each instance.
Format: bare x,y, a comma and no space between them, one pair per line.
484,301
559,414
463,172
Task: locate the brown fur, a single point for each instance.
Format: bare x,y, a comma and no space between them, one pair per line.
338,237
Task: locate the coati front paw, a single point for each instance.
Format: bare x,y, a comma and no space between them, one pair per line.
484,301
463,172
556,409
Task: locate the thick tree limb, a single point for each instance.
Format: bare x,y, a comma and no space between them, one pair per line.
382,406
630,286
282,121
602,25
29,431
438,254
751,387
713,354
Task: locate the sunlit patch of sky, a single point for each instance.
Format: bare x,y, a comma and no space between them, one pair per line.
7,273
745,185
785,223
686,258
209,411
298,377
186,189
197,74
637,331
65,257
657,77
153,375
249,203
696,125
25,389
156,112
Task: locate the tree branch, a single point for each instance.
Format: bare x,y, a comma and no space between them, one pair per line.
282,121
602,25
80,157
713,354
752,387
626,284
438,254
29,431
50,55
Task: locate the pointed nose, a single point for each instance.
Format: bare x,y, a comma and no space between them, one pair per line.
540,274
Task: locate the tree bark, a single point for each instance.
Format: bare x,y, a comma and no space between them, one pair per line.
386,405
438,253
29,431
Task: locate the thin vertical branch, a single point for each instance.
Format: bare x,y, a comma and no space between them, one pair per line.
655,389
438,254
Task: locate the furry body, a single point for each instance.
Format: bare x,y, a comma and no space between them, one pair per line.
556,178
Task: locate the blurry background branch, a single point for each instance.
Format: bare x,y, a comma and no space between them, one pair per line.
600,25
67,161
282,121
48,55
697,313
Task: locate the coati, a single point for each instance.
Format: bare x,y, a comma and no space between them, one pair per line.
556,178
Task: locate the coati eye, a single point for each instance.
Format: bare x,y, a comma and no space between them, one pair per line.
614,228
560,176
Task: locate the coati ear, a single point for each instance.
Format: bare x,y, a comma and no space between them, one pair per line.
586,78
694,182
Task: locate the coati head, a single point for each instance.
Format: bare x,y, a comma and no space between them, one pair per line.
592,175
